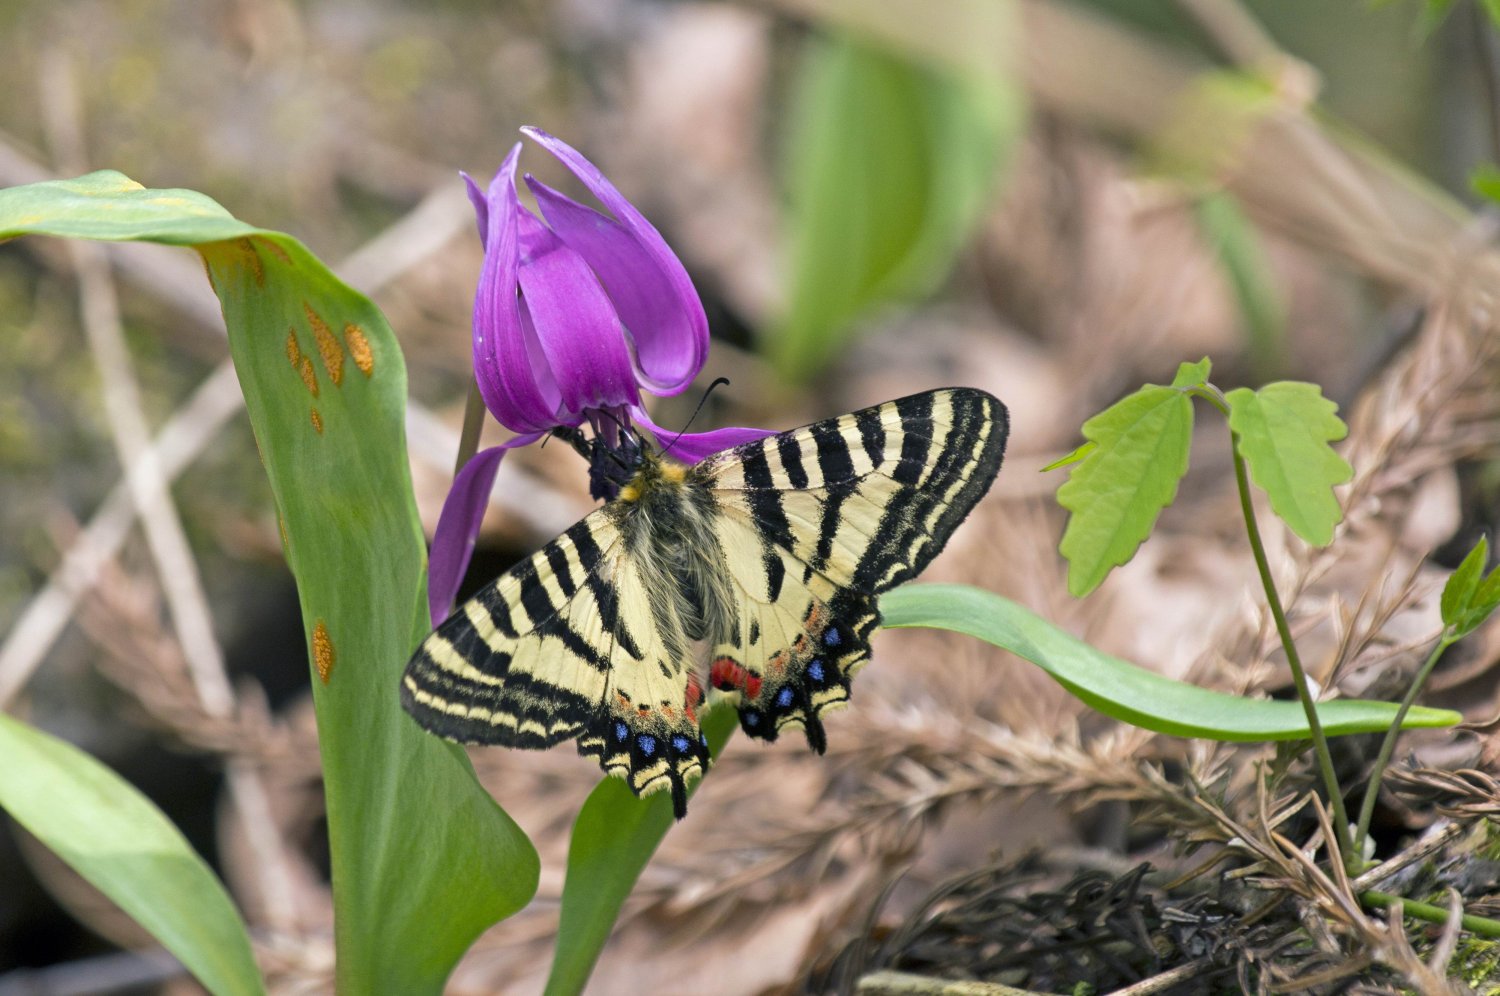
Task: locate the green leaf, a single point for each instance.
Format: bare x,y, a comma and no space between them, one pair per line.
1192,374
1124,691
1469,597
613,838
423,859
1283,431
125,847
1485,181
1236,243
1074,457
1458,593
891,163
1120,488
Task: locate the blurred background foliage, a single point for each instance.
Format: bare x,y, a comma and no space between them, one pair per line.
1053,200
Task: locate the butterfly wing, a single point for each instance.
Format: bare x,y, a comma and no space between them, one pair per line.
817,522
574,641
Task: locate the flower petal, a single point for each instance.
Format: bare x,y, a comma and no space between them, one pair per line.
650,288
514,390
575,324
690,447
458,525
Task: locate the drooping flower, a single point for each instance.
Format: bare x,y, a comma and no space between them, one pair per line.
576,314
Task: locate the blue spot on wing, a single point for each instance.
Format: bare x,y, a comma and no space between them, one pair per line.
647,744
784,698
751,718
832,637
622,732
815,669
681,744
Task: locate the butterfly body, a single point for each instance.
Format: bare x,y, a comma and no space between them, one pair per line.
764,561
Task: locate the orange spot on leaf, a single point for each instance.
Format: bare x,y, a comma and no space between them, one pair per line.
317,421
275,249
322,651
309,378
293,351
252,260
329,349
359,349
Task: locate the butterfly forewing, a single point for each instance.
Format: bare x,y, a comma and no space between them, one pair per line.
526,661
821,521
771,553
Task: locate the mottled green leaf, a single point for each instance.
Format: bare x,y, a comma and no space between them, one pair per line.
1283,431
1125,691
423,859
126,848
1121,486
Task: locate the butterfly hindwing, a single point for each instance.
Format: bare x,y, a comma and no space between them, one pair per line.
823,519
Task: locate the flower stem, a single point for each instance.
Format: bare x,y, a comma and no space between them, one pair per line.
1483,926
1299,677
468,440
1388,745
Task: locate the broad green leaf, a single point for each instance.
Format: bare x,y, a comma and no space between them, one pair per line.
1237,245
1121,486
1283,431
423,859
1192,374
1125,691
891,163
1078,454
613,838
126,848
1458,593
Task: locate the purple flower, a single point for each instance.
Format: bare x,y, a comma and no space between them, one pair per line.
574,317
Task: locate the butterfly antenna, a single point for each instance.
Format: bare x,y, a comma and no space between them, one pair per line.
724,381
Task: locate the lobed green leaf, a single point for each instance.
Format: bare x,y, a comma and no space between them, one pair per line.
1125,691
614,837
891,164
423,858
1120,487
1283,431
1191,375
117,839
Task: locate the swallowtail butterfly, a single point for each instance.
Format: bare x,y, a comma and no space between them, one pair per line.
754,573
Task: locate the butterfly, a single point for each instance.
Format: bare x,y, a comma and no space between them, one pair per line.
753,573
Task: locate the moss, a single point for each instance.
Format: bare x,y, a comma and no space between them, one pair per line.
1477,963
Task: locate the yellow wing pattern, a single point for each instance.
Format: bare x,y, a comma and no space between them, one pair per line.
772,554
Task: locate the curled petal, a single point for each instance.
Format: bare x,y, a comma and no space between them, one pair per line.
647,282
690,447
574,324
458,525
521,394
